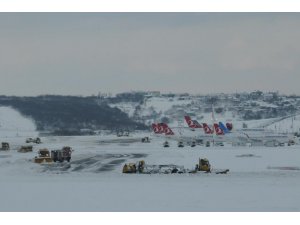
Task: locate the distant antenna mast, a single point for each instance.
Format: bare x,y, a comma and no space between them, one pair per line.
292,124
213,121
180,126
213,114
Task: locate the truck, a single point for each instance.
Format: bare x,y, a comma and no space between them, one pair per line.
62,154
33,140
5,146
43,156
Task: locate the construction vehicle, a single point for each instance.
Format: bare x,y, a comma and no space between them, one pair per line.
141,167
5,146
203,165
33,140
62,155
43,156
25,148
129,168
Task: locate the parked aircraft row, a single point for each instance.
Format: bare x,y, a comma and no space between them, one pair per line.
218,132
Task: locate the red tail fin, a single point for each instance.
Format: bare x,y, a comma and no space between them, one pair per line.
229,126
197,125
218,130
207,129
155,128
166,129
161,128
192,123
188,121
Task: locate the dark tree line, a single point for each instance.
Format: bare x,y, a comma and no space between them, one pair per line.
70,113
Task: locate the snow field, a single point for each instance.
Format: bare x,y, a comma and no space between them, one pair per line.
249,186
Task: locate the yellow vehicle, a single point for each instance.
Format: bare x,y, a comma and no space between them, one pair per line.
129,168
43,156
134,168
204,165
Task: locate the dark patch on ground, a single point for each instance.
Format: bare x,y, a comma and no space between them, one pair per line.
283,168
121,141
96,163
248,156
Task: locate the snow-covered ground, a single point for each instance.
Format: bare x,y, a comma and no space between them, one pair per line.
260,179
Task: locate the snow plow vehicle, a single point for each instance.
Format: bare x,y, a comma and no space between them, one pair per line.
143,168
25,148
5,146
33,140
129,168
203,165
62,155
43,156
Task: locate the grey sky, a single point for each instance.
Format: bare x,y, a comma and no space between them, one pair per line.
84,53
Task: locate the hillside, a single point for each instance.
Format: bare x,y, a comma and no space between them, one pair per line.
67,115
74,115
255,109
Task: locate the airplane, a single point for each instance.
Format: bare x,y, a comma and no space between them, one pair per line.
192,123
205,134
218,132
257,135
162,128
164,131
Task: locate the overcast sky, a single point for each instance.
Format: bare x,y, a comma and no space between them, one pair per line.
87,53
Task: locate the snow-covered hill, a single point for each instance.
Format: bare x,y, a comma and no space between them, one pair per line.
13,124
256,109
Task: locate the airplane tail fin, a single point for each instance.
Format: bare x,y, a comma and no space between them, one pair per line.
207,129
189,121
229,126
197,125
224,128
218,130
166,129
161,127
155,128
192,123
